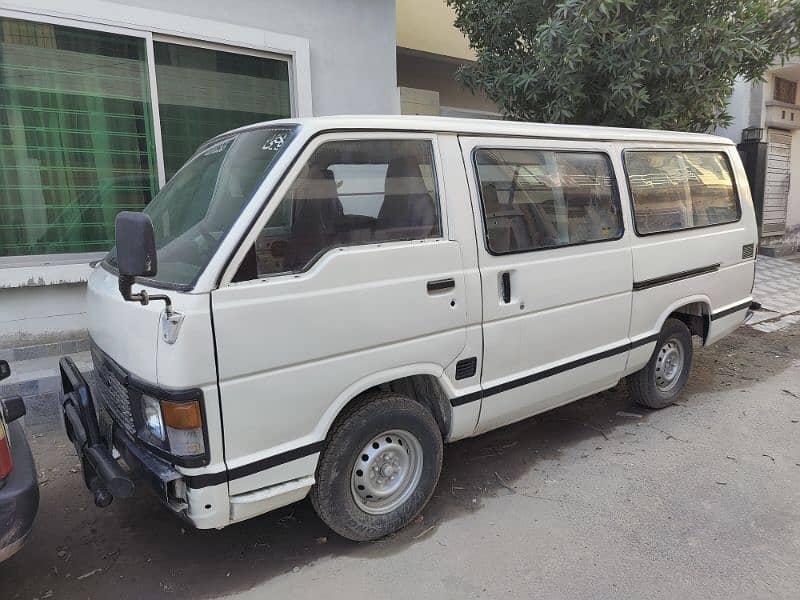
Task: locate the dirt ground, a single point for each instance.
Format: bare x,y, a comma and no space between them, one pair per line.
598,499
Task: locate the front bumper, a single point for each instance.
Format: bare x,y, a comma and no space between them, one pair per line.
19,497
103,475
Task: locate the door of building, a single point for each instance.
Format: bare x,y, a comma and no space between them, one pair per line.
776,182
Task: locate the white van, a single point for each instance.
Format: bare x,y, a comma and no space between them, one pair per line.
313,306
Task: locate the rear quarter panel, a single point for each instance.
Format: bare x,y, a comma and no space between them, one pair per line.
720,246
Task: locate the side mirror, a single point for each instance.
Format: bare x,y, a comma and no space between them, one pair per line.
5,370
136,249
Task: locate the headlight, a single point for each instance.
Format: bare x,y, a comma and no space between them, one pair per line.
184,424
175,427
151,411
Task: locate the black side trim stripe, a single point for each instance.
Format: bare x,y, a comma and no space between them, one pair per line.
648,283
466,398
509,385
731,310
201,481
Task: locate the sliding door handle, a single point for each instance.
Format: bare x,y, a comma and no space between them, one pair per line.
505,287
441,285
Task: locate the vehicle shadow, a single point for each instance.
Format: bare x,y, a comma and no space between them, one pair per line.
137,549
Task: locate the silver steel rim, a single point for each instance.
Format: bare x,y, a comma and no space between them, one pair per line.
669,365
386,472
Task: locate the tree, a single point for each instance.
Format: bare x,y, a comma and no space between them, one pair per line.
662,64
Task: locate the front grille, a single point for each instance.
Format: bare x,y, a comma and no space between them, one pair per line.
111,392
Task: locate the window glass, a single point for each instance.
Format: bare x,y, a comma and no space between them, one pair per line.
680,190
352,192
535,199
202,93
785,90
76,139
194,211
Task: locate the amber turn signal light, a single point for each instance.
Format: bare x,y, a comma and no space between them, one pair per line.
181,415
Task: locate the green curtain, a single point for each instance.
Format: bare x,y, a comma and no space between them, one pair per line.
76,140
203,92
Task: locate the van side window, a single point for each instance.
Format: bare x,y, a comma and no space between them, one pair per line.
535,199
674,190
352,192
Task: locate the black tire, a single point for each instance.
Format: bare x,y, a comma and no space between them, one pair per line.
333,495
643,385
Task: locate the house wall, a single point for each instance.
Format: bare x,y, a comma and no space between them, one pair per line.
427,26
427,72
343,54
352,44
739,107
747,106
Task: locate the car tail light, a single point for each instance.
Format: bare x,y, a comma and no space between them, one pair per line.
5,452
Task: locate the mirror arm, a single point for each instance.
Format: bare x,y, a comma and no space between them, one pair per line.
143,298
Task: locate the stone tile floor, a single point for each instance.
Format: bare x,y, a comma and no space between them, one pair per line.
777,288
778,284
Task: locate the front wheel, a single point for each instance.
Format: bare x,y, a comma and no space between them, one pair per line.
379,468
661,380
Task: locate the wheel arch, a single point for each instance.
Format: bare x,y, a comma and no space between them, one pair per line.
694,311
421,382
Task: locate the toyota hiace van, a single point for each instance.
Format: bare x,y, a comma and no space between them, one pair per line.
314,306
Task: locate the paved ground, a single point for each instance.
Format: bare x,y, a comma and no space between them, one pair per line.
598,499
777,284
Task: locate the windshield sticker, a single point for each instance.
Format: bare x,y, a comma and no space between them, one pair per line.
276,141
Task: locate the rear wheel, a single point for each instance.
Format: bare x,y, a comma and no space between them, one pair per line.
379,468
659,383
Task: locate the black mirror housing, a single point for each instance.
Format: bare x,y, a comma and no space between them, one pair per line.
136,245
5,370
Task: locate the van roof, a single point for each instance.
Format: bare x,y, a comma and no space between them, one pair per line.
494,127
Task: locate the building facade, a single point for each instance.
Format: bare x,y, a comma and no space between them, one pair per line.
766,125
429,52
101,102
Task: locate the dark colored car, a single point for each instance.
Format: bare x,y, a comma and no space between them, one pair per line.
19,489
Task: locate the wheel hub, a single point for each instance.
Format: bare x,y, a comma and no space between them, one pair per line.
669,365
386,471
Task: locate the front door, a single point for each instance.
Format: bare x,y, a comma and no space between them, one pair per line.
351,282
556,273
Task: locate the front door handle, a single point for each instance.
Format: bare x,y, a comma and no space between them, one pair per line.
505,286
441,285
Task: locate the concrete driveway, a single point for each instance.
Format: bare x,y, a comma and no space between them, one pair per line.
598,499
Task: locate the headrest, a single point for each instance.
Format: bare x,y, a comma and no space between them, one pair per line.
404,178
317,184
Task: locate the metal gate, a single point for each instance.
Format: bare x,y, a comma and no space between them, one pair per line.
776,183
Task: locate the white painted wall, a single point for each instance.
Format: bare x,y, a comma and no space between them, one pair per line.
739,107
352,44
343,52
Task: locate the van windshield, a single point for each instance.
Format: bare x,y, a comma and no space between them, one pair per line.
196,208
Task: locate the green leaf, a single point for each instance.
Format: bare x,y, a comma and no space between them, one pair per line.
647,63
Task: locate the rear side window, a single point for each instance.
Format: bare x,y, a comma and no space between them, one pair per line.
537,199
673,190
352,192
